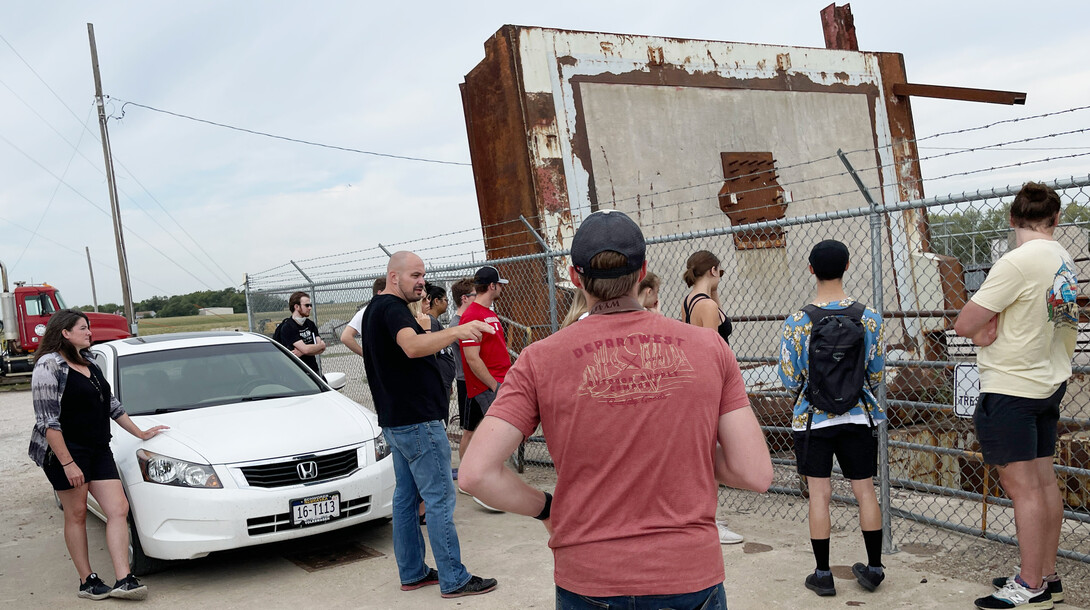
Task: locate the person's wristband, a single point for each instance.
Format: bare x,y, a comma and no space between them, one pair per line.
544,514
68,464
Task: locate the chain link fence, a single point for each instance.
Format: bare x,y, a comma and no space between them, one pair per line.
933,254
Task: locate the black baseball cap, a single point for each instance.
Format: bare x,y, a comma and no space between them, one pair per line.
487,275
608,231
829,259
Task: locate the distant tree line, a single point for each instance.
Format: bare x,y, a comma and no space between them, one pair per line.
968,234
183,304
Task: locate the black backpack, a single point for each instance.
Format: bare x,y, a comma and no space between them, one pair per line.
276,336
838,358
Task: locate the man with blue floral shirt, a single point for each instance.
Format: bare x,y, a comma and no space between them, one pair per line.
820,435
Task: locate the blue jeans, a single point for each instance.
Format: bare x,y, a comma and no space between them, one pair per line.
712,598
421,454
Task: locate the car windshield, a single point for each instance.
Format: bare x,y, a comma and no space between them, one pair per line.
196,377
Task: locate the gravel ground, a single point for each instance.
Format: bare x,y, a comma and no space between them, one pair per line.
764,572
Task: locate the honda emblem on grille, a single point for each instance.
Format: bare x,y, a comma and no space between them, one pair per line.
307,470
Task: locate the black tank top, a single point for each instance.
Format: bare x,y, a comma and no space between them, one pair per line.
85,409
725,326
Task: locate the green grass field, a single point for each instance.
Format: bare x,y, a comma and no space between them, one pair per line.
237,321
158,326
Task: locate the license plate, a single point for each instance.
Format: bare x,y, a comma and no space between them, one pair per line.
315,509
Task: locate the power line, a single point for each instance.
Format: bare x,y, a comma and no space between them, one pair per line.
53,195
83,125
286,138
100,209
63,246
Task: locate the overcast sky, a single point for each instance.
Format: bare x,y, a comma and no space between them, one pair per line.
384,77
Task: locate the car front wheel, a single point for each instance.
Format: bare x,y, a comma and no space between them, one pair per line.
139,563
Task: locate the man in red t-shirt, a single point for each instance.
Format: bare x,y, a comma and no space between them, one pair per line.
485,362
642,415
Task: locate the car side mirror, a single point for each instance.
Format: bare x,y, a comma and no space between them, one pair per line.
336,380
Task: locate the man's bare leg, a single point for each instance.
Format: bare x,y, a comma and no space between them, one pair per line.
821,493
467,435
1054,510
1032,519
870,514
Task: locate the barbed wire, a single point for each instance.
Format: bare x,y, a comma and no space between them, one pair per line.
656,206
874,149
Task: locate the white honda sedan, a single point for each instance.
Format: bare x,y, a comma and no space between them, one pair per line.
260,449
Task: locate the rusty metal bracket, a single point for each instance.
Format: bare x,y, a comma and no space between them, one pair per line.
383,248
965,94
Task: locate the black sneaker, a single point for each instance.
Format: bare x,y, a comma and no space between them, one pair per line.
868,578
822,585
475,586
93,588
1055,587
129,588
431,578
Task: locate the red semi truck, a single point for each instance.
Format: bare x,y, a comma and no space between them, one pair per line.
23,316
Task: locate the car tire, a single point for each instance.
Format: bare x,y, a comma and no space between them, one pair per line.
139,563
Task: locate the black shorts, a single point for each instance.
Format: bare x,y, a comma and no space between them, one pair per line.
470,414
854,445
461,383
97,464
1015,429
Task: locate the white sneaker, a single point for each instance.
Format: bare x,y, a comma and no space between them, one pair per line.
495,510
726,536
1014,595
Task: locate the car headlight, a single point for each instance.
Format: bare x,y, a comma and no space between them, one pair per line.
170,471
382,448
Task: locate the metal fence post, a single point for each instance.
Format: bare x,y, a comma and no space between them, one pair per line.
879,305
550,276
249,306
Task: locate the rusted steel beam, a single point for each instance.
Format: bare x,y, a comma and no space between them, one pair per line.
966,94
839,27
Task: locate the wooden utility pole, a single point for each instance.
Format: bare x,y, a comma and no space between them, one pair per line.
94,296
115,208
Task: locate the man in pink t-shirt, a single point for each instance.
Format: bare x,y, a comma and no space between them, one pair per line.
642,415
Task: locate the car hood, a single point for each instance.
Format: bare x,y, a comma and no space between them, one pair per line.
263,429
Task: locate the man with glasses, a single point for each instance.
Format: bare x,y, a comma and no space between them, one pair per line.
299,333
434,304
